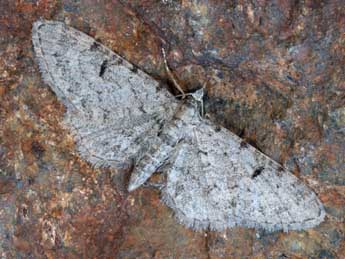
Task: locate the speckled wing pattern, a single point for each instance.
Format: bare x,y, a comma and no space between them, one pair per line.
120,116
217,181
111,105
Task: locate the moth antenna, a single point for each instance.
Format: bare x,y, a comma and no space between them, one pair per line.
171,75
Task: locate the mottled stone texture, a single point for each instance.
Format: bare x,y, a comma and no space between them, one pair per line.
274,74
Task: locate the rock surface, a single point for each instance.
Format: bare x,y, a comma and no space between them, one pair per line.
274,72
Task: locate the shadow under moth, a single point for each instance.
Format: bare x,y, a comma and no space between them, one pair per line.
119,116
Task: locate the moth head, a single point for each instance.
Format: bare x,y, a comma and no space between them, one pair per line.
198,95
198,99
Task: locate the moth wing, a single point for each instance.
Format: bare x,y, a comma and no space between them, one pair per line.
216,182
110,104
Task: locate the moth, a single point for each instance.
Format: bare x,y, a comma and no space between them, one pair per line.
120,116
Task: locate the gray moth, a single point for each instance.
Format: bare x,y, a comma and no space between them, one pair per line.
120,116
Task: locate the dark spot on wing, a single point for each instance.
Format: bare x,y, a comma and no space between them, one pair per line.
41,25
141,108
243,144
106,115
279,171
217,129
95,46
83,103
202,152
241,134
103,68
258,171
119,61
134,69
160,129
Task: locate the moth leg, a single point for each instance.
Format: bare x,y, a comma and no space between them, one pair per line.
154,185
171,75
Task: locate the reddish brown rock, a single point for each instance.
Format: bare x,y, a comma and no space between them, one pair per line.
274,74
